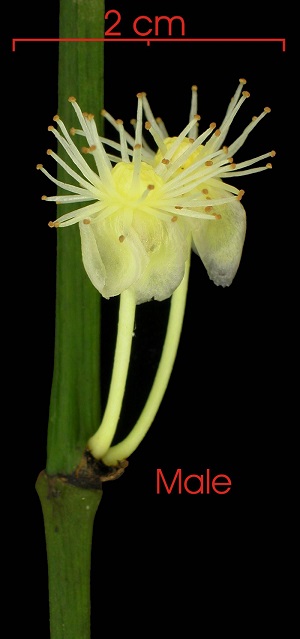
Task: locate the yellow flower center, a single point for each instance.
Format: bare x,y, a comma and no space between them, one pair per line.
132,188
184,145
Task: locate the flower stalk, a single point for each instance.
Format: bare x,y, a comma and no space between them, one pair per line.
127,446
101,440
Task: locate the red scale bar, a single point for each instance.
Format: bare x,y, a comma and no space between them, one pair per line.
149,40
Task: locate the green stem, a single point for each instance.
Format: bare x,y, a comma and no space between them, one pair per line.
68,512
75,395
127,446
101,440
70,501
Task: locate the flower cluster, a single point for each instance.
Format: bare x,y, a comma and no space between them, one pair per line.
144,211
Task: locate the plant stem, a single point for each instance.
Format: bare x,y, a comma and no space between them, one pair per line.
75,396
69,512
70,495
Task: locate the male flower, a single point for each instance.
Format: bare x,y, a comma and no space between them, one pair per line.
144,211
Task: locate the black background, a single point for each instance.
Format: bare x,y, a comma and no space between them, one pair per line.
167,556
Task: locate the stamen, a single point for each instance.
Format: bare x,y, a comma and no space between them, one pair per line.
162,128
154,126
123,143
149,188
235,146
156,134
71,149
232,110
137,156
88,149
178,140
193,111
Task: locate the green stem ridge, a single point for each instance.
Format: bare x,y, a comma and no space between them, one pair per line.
75,395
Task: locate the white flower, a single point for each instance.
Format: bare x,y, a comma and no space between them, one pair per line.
145,210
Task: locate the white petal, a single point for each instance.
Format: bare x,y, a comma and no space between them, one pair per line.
166,265
220,243
113,255
92,261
